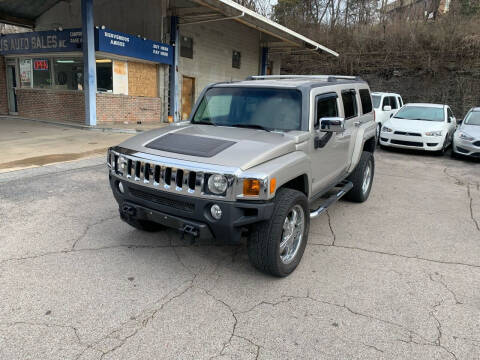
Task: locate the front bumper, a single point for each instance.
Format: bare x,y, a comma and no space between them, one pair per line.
187,214
427,143
466,148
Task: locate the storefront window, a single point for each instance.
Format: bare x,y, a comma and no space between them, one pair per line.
26,73
104,75
42,76
68,73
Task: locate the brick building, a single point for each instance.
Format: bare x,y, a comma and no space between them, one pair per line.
117,60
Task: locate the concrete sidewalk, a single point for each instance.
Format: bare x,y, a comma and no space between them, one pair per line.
25,144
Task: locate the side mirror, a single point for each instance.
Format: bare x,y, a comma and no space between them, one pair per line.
332,124
387,108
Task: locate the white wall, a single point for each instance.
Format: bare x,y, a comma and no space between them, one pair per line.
213,45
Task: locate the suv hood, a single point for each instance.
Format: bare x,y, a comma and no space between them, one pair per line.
419,126
243,148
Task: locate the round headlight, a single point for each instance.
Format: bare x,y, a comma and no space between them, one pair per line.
217,184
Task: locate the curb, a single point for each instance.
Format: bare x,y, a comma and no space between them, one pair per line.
76,126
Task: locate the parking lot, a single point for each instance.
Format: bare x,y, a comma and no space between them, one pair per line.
397,277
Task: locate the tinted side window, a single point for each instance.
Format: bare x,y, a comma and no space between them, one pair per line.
386,102
326,107
349,103
449,113
393,102
366,101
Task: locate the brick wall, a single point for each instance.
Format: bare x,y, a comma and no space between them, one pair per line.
3,88
54,105
142,79
120,108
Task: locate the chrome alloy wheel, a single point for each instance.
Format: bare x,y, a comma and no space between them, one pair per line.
292,235
367,177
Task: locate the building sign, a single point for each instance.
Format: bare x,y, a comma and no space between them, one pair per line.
70,40
41,42
114,42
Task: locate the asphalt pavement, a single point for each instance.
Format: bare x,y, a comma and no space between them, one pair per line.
397,277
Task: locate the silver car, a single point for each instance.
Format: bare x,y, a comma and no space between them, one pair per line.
467,137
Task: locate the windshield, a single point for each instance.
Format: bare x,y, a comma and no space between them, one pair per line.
421,113
377,99
269,109
473,118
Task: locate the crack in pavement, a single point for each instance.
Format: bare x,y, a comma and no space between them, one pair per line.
49,325
409,332
441,281
331,228
442,262
475,221
88,227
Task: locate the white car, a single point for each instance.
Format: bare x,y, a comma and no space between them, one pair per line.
467,138
427,127
385,105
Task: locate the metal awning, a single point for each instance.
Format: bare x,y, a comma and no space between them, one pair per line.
252,19
24,13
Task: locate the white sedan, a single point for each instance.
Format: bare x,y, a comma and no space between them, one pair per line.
427,127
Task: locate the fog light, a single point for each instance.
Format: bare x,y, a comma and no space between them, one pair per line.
216,212
121,188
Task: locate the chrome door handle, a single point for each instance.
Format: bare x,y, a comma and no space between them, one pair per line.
357,123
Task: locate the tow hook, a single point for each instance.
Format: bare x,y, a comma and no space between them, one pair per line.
190,230
129,210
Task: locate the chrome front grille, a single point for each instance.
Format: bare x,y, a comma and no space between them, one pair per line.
156,175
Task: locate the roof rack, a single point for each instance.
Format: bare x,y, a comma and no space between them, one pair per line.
329,78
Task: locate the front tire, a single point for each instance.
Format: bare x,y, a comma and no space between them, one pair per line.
276,246
362,178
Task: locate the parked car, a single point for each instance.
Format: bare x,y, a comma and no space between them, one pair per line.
255,158
386,105
427,127
467,137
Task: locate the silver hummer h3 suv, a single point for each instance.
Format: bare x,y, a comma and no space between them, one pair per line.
259,158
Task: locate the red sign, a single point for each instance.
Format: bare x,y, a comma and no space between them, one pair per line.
40,64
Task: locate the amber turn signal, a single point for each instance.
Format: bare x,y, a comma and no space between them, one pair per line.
273,185
251,187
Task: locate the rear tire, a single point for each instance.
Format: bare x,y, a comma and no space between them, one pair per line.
269,243
362,178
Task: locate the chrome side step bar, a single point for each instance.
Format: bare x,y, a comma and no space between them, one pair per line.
343,188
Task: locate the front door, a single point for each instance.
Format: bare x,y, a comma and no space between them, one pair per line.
330,161
188,96
11,85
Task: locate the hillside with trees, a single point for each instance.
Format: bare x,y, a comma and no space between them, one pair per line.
428,51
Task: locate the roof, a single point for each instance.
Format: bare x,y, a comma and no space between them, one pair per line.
261,23
384,93
24,13
292,83
441,106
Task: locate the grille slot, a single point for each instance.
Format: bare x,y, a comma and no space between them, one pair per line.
407,133
407,143
162,200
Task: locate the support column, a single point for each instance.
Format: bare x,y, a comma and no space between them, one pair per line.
264,64
89,66
174,81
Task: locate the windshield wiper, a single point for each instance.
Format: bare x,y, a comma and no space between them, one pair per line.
251,126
